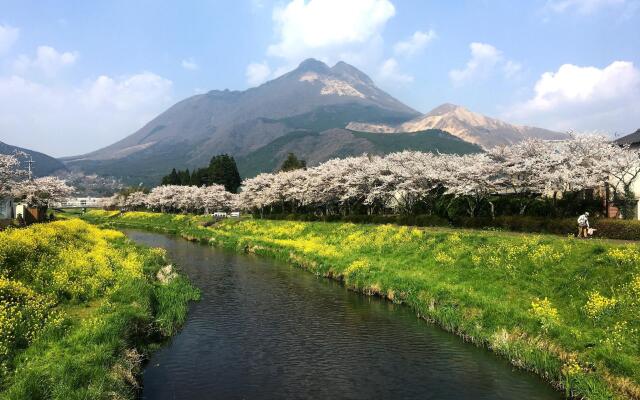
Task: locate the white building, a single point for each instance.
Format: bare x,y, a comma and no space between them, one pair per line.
81,202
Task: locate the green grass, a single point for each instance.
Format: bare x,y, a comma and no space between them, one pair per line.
81,309
566,309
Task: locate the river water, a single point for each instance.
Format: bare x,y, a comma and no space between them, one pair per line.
267,330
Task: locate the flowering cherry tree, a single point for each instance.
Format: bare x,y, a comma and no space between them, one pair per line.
42,192
10,172
406,180
409,181
475,177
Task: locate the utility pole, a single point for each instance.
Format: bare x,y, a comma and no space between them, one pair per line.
30,162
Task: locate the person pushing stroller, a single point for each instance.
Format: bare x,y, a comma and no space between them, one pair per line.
583,226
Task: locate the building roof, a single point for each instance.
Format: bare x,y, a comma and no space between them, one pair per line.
632,139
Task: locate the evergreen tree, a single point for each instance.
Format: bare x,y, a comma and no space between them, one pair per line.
196,179
185,177
292,162
171,179
224,171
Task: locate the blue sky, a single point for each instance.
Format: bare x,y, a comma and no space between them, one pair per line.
78,75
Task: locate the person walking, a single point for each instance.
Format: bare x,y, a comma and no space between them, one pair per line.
583,225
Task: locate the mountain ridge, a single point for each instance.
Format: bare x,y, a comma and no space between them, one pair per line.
470,126
43,164
213,116
313,97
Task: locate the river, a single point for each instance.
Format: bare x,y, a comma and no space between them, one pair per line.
267,330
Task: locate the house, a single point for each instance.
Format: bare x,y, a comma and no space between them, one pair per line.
30,215
633,140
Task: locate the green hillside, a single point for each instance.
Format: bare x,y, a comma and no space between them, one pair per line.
315,147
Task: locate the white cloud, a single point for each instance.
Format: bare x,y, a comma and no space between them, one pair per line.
47,59
485,60
257,73
581,6
8,36
389,72
326,28
585,98
416,43
189,64
88,116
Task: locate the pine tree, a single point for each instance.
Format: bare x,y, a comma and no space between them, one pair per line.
292,162
224,171
171,179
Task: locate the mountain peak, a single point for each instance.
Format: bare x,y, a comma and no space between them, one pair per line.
313,65
445,108
349,71
467,125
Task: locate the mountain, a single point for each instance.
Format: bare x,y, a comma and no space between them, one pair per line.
314,96
469,126
632,139
43,164
316,147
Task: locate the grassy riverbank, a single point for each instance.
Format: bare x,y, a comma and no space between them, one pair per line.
567,309
80,308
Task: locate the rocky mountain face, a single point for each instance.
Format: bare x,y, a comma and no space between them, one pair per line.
469,126
313,96
43,164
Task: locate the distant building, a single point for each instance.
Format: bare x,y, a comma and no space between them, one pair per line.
80,202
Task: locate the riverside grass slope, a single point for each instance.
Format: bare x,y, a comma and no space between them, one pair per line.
567,309
79,309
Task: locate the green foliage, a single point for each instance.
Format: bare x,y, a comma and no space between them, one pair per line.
292,162
79,308
567,309
629,204
222,170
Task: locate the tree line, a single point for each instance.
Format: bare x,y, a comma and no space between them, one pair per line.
506,180
551,178
222,170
